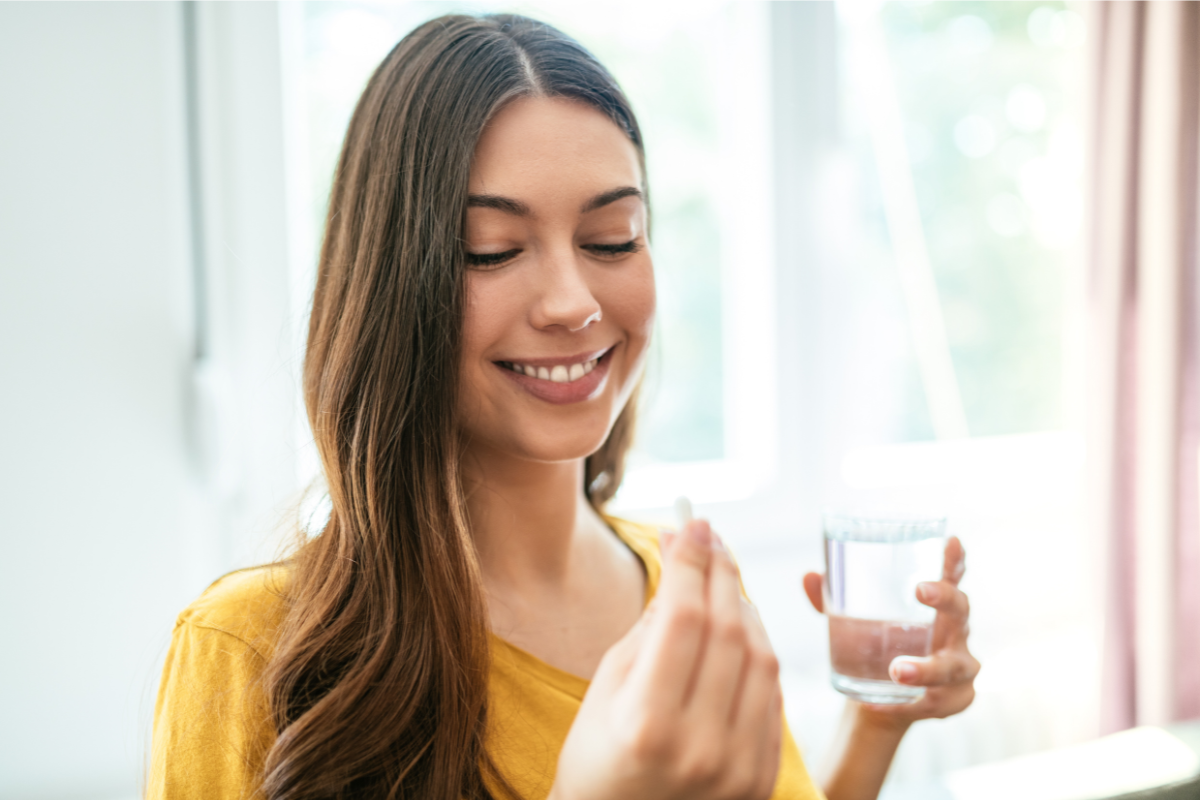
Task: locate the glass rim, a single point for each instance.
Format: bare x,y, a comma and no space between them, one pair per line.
857,527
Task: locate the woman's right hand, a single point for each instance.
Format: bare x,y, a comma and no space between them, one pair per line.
687,704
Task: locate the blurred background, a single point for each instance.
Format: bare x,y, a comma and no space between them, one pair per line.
933,257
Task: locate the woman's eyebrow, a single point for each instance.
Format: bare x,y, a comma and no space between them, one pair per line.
518,209
611,196
505,204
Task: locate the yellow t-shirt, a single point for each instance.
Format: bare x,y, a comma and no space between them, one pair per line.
212,728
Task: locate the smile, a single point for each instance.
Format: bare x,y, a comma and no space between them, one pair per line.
559,373
563,380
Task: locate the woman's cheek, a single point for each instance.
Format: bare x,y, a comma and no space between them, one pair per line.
633,301
489,311
486,318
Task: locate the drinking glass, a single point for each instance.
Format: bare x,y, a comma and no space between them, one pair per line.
872,568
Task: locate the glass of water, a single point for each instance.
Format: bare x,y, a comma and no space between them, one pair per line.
872,568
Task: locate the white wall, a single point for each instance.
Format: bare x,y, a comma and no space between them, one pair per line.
94,364
112,521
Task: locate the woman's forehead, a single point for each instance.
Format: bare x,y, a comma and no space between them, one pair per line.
535,143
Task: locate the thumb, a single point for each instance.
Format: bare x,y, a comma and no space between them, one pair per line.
814,583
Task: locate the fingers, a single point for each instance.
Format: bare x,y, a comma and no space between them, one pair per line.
671,646
770,748
758,714
814,583
726,644
703,667
954,564
947,598
761,676
944,669
951,627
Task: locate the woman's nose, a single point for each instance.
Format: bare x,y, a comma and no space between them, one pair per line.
565,298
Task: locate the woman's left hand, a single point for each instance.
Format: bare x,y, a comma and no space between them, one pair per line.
949,672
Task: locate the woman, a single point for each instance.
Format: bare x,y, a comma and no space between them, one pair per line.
469,623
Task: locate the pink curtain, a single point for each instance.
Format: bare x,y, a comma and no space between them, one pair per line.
1145,427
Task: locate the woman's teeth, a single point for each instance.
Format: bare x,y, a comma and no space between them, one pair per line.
557,374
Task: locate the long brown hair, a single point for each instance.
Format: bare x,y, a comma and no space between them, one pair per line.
378,687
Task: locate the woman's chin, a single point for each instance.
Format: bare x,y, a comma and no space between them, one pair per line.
548,447
560,451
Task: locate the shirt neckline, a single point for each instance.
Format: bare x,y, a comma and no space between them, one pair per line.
568,682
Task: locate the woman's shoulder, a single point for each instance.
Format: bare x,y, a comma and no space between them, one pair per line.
212,720
248,605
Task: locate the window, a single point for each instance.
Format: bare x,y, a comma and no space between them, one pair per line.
962,126
950,355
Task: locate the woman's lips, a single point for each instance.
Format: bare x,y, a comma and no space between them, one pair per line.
575,391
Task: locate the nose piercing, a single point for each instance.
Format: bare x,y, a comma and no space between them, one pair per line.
593,318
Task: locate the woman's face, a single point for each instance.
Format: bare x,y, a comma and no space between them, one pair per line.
560,285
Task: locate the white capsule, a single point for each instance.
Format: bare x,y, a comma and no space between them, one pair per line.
576,372
559,374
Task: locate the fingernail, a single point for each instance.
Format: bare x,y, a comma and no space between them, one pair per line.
928,592
718,545
699,532
903,671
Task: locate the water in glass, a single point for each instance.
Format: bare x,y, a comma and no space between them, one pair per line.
873,567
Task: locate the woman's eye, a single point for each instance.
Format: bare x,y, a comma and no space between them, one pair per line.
613,250
485,260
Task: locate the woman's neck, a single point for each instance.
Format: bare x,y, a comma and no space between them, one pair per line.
530,520
559,583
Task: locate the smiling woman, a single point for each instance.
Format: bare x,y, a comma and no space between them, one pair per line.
470,623
560,294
